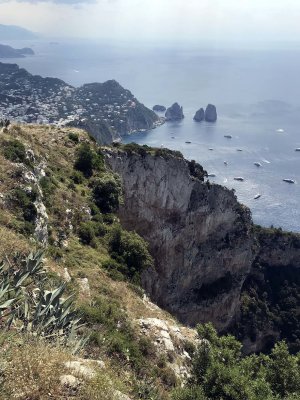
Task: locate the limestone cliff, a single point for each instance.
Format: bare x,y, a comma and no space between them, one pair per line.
198,233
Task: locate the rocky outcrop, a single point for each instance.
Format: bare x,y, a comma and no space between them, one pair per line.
200,115
211,113
159,108
198,233
174,113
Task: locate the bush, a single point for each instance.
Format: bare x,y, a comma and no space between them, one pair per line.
220,371
73,137
25,202
77,177
88,160
86,232
14,151
107,193
131,251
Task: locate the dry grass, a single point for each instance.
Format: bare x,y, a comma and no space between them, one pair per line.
32,369
12,242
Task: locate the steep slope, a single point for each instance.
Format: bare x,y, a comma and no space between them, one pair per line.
199,235
48,178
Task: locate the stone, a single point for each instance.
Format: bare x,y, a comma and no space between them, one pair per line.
69,381
81,368
66,275
200,115
198,234
84,287
211,113
174,113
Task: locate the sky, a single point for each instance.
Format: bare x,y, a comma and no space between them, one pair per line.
243,21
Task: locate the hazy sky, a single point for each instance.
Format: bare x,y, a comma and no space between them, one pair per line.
178,20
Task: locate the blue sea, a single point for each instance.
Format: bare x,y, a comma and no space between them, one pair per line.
257,94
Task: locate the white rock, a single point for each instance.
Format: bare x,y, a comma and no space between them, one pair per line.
69,381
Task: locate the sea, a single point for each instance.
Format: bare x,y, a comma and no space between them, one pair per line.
256,92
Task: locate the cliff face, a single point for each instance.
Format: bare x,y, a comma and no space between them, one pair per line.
198,233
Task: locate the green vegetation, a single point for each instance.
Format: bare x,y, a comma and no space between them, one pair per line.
88,160
130,252
196,170
107,193
220,371
26,306
270,302
14,151
24,201
73,137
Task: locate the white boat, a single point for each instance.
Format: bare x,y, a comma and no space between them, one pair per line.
288,180
225,163
210,148
280,130
228,136
211,175
239,150
239,178
258,164
257,196
297,149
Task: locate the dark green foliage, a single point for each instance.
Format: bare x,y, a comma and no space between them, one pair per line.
88,231
220,371
196,170
73,137
77,177
25,202
14,151
88,160
130,251
48,186
270,301
132,148
107,193
167,153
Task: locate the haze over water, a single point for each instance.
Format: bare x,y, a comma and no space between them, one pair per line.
257,94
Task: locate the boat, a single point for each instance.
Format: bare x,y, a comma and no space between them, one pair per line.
228,136
288,180
210,148
172,137
239,150
188,142
280,130
258,164
297,149
257,196
225,163
211,175
239,178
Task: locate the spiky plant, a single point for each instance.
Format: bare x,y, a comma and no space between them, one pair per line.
25,305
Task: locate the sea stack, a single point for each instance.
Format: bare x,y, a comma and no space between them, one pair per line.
159,108
174,113
200,115
211,113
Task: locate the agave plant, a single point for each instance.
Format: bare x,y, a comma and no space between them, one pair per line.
25,305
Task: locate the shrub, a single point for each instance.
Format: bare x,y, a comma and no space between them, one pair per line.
197,170
73,137
25,202
86,232
77,177
107,193
167,153
131,148
131,251
88,160
14,151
